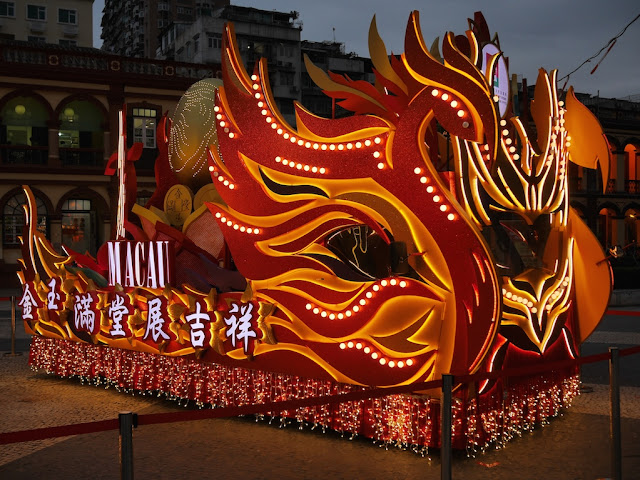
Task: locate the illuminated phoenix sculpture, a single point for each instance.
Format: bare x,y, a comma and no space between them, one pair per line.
364,262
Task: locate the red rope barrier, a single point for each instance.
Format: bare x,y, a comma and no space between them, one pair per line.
225,412
629,351
61,431
626,313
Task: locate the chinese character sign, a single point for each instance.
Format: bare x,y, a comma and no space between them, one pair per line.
29,302
86,318
54,297
240,325
118,312
157,322
199,322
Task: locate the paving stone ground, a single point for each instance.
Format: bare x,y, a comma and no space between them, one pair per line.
573,446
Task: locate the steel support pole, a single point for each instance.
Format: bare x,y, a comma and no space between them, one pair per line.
614,430
126,420
445,427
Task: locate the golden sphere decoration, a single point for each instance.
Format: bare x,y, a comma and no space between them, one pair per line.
192,131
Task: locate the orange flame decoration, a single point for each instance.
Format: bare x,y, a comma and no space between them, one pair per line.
367,264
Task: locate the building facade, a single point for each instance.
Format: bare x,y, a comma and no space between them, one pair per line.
64,22
274,36
260,33
132,27
59,112
612,211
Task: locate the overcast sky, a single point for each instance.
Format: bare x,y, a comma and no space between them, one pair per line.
551,34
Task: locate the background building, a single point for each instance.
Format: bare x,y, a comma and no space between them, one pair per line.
132,27
59,125
63,22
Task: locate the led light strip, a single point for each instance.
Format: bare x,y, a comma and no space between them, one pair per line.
236,226
391,363
444,208
332,315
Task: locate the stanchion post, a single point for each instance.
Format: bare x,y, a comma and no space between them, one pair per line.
13,325
13,330
445,427
614,430
126,420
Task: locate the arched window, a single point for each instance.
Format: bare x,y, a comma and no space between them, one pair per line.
24,134
605,227
631,226
14,217
632,171
81,134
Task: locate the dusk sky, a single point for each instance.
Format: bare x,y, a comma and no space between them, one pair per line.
551,34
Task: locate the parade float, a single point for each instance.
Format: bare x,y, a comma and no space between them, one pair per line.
428,233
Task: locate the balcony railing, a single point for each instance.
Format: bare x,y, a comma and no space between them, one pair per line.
611,185
82,157
24,155
632,186
70,62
